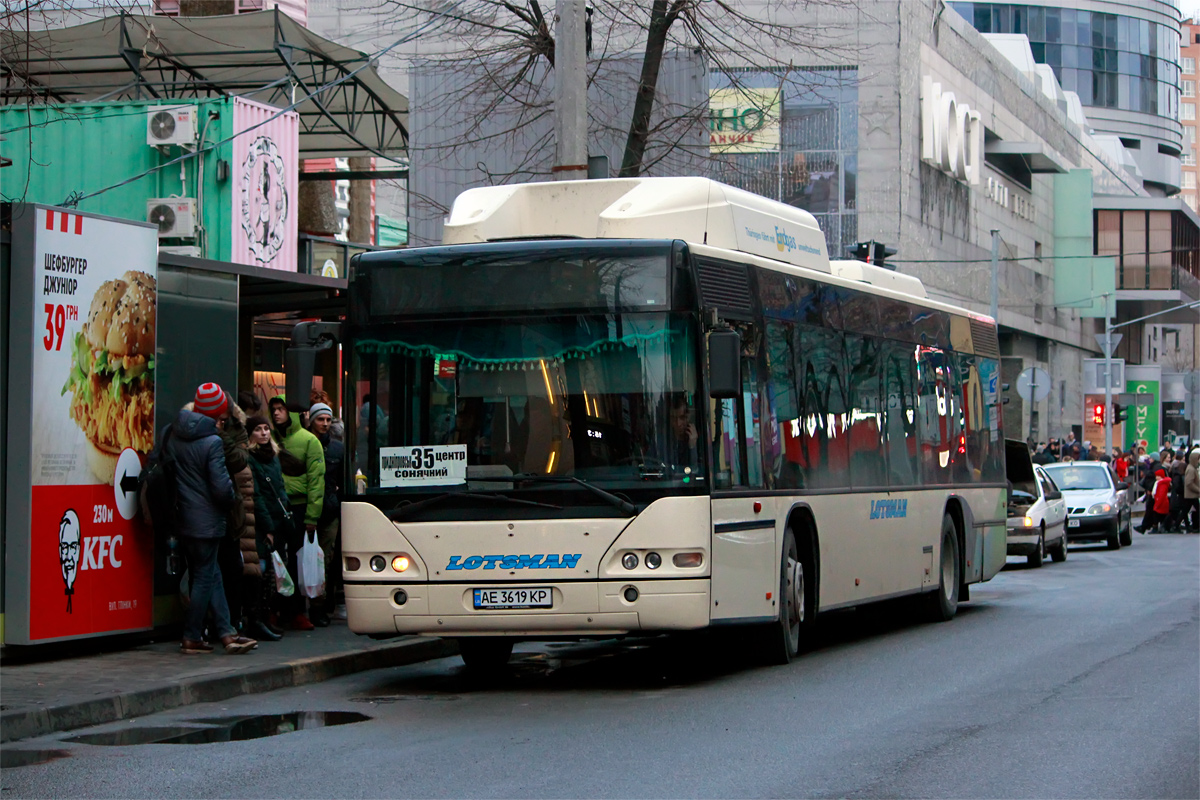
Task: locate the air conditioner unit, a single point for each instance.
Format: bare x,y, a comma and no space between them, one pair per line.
171,126
181,250
174,216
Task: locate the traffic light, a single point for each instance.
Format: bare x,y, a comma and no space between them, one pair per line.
1120,413
872,252
881,254
860,251
1098,414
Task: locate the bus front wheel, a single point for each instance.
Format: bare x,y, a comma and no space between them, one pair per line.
943,604
781,638
486,652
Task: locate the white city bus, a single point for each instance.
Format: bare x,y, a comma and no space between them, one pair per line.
643,405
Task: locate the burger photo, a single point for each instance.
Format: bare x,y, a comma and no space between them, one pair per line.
112,372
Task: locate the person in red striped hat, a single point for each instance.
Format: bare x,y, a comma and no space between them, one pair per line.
205,497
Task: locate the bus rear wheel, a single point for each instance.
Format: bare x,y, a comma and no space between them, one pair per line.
943,604
485,652
781,638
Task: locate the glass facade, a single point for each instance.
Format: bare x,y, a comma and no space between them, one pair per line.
816,166
1109,60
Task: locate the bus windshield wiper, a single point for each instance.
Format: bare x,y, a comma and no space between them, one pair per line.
405,510
619,502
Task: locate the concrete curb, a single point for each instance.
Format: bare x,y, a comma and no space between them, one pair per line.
29,723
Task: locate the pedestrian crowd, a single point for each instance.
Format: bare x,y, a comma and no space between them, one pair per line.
1167,480
243,489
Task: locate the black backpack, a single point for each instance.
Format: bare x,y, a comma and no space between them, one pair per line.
160,485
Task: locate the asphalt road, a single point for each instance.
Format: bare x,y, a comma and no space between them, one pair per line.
1079,679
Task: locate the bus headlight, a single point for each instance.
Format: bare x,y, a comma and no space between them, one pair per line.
629,561
378,563
352,563
653,560
400,563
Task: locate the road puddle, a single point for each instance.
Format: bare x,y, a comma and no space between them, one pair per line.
10,758
223,729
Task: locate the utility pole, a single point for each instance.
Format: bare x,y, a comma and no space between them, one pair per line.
1108,348
995,275
570,90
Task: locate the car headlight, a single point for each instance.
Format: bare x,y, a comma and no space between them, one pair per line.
1028,521
1101,508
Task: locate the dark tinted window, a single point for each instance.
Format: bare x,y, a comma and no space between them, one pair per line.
868,463
900,415
824,407
935,422
505,277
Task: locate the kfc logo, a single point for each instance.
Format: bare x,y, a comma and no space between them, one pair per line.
69,535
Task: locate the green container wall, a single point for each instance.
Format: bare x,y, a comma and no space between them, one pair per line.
80,148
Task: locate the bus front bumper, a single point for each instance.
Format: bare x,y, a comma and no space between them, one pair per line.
583,608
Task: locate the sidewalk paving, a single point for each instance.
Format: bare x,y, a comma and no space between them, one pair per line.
66,693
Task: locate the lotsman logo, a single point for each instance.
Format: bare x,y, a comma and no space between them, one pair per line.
539,561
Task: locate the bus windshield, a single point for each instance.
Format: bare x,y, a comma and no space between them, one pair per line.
604,397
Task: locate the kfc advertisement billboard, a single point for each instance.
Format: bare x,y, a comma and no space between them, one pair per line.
80,559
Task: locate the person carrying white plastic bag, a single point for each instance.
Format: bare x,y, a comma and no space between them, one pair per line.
283,581
310,566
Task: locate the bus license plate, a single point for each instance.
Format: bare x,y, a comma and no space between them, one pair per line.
513,598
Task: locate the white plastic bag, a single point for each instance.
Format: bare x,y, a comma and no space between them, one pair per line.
283,581
310,564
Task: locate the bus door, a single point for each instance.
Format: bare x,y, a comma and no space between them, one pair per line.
745,557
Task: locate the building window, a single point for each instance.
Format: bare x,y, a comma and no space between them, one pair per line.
1189,88
1189,180
1189,66
1189,158
1109,60
1187,110
1037,250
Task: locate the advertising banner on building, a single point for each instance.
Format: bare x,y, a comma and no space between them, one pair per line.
744,120
80,560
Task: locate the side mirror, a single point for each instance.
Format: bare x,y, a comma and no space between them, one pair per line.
300,359
724,364
1122,486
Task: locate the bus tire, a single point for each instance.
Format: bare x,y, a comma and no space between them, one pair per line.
485,652
943,604
781,638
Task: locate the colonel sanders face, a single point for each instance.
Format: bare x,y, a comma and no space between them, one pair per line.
68,550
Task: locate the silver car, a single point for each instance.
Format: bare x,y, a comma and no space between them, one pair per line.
1097,504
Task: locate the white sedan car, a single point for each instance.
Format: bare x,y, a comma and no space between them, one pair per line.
1037,516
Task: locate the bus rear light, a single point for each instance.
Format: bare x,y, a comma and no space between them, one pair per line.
400,563
378,563
687,560
352,563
